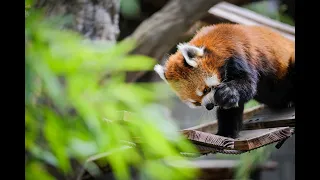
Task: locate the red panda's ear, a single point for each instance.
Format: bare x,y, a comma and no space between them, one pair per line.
160,71
190,53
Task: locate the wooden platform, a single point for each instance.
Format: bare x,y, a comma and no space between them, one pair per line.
262,126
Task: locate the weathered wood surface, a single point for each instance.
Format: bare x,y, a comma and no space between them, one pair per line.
226,12
209,139
267,118
252,139
248,140
263,20
262,126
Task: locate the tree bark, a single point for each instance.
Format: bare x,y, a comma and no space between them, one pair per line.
95,19
158,34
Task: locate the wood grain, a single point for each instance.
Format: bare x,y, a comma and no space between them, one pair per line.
251,139
209,139
248,140
267,118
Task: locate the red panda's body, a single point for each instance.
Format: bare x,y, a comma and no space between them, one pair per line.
227,65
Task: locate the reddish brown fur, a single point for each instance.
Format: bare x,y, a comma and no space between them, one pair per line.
222,41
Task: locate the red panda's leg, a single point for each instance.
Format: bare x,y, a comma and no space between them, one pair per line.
239,87
230,121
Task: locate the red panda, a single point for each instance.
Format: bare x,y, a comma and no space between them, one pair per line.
226,65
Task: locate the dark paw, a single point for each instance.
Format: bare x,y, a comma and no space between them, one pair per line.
226,96
232,135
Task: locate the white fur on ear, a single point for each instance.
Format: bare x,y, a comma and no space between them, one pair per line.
190,53
160,70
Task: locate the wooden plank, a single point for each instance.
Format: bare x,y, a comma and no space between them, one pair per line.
251,139
208,139
257,17
227,16
226,12
271,119
248,140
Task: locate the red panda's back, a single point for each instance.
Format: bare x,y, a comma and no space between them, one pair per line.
255,42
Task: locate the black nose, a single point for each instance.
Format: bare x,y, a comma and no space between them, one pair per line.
210,106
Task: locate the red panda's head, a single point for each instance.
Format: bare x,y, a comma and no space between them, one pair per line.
194,70
189,76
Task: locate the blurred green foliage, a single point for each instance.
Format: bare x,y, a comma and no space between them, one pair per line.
71,114
251,103
130,8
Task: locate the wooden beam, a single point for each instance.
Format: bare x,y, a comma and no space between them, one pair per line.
208,139
267,118
252,139
263,20
226,12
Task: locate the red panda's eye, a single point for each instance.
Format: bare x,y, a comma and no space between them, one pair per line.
206,90
197,104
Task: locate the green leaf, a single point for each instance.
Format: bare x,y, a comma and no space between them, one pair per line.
35,171
55,134
29,87
44,155
134,63
82,148
121,49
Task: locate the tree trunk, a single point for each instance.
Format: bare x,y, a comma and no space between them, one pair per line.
95,19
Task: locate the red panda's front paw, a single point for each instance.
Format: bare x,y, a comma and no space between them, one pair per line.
226,96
